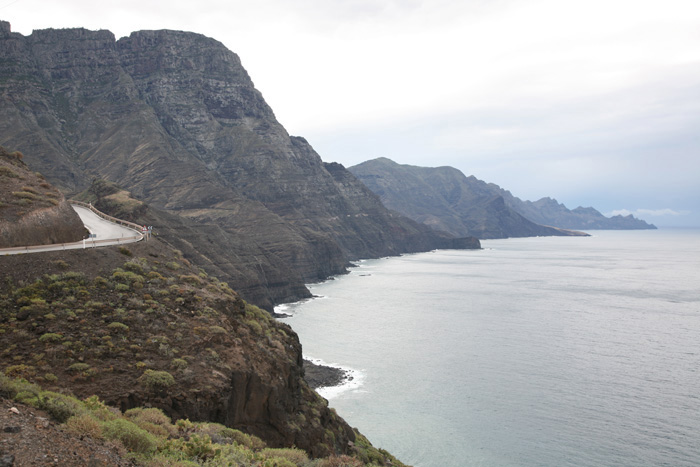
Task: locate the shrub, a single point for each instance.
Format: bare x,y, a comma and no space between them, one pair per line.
21,370
7,172
340,461
118,327
125,251
78,367
296,456
24,195
50,337
178,363
50,377
191,279
60,406
10,387
156,380
84,425
130,435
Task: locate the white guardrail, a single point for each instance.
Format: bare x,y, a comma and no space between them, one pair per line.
87,243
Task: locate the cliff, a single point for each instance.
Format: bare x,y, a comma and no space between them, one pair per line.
142,327
174,118
32,211
444,199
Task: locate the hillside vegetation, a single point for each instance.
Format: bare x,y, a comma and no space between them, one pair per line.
142,327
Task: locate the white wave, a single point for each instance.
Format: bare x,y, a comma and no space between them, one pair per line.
353,379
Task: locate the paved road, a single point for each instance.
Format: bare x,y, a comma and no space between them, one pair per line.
104,229
108,233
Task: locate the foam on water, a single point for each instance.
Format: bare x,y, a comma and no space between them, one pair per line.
353,379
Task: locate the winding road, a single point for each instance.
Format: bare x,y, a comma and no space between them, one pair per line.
106,233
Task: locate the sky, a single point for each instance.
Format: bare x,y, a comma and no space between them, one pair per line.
594,103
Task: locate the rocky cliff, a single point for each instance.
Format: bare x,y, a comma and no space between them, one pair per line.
446,200
174,118
143,327
32,211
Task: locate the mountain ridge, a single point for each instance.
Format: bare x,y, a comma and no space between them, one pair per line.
446,199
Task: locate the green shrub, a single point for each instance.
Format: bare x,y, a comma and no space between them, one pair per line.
178,363
130,435
7,172
24,195
60,406
10,387
191,279
118,327
197,447
84,425
125,251
156,380
50,337
278,462
295,456
78,367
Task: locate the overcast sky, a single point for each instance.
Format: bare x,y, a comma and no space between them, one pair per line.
594,103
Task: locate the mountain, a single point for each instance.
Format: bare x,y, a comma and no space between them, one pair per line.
173,118
446,200
549,211
32,211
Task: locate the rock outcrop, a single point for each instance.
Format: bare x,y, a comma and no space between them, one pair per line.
32,212
174,118
444,199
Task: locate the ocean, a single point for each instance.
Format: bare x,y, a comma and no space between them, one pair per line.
548,351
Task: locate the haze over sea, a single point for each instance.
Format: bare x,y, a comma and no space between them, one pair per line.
559,351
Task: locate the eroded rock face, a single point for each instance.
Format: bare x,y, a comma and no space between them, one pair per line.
32,212
174,118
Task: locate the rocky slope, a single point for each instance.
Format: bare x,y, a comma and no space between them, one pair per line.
174,118
446,200
32,212
142,327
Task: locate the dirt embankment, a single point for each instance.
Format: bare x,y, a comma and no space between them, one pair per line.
32,211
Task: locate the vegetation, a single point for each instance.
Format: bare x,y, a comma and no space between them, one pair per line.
152,439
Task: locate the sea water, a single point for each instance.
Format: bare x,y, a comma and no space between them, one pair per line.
555,351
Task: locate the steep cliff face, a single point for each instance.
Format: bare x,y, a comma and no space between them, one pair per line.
174,118
446,200
32,212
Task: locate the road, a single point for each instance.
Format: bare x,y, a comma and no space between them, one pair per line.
104,229
107,233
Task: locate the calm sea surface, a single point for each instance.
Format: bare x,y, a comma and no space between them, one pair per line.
531,352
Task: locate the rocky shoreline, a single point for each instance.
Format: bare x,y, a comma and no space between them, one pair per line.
321,376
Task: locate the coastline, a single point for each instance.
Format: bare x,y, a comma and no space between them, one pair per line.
322,376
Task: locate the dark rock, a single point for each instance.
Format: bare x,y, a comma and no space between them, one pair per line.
12,429
7,460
